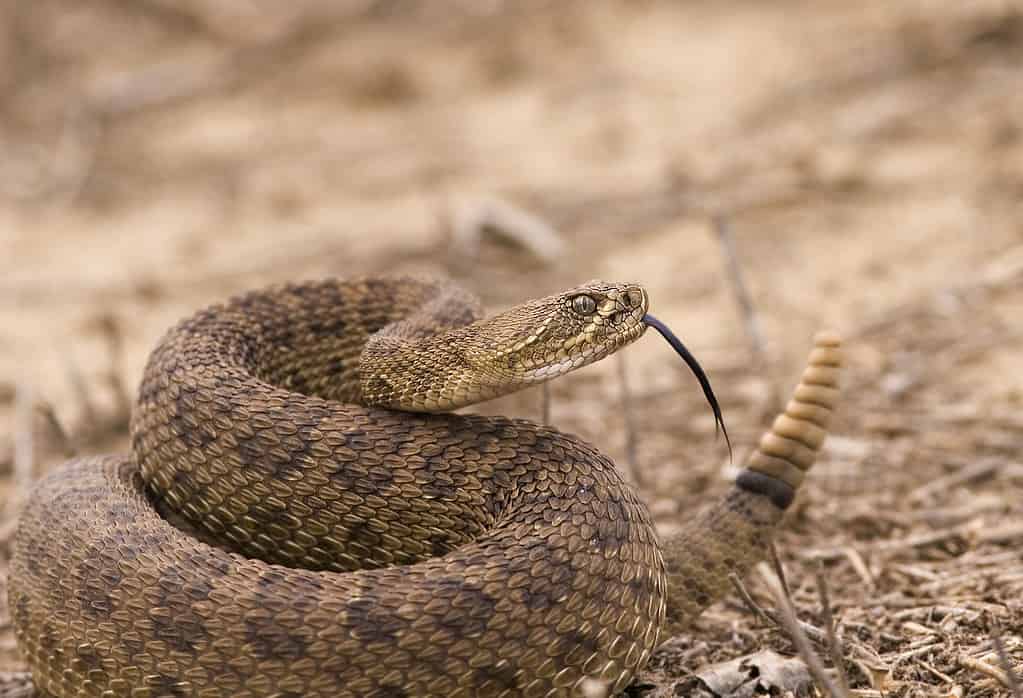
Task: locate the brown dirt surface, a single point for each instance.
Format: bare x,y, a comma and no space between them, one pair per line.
865,158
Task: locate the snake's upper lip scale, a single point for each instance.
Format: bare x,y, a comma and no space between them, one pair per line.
697,370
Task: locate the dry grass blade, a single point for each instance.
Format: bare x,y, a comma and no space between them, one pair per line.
791,624
967,475
779,570
772,616
963,532
1003,658
752,606
982,667
834,643
742,295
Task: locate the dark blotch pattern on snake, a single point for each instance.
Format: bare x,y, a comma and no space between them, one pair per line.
325,544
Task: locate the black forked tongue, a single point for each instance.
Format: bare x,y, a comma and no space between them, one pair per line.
697,370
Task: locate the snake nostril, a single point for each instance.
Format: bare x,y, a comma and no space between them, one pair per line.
634,298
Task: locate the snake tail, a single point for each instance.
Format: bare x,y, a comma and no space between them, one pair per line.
734,534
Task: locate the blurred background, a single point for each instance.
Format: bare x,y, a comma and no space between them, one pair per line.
766,169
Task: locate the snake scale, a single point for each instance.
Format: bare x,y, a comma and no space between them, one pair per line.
301,516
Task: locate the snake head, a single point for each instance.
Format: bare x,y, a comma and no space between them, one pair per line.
406,367
541,339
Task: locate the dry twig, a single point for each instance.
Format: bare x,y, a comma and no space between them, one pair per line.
773,617
507,222
67,444
795,631
752,606
982,667
834,643
971,531
742,295
967,475
778,569
1003,658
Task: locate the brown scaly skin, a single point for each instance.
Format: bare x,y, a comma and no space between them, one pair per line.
495,557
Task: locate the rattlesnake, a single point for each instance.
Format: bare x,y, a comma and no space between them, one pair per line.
281,529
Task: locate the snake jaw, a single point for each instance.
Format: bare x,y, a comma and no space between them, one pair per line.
592,351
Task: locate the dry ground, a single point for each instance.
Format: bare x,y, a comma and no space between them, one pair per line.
867,157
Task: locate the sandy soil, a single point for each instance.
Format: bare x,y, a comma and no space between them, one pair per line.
867,159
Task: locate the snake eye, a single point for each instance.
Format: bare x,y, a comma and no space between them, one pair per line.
584,305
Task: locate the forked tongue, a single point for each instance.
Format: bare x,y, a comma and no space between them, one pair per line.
694,366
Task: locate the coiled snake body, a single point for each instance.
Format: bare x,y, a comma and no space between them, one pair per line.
280,530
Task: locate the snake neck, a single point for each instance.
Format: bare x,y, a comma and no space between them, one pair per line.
437,373
420,374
